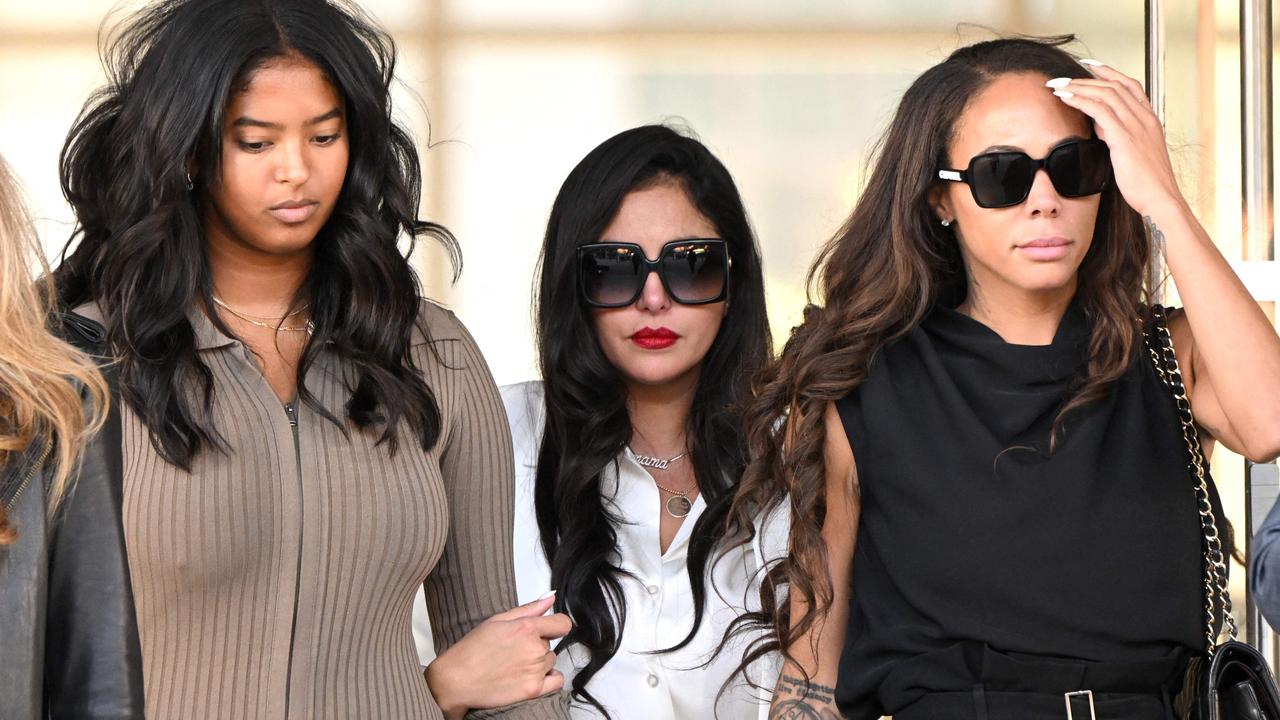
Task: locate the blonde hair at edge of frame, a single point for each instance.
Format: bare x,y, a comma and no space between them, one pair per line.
40,375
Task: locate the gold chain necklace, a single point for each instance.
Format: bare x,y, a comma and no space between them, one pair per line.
307,328
678,505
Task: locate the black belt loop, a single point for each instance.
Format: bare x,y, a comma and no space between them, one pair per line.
979,702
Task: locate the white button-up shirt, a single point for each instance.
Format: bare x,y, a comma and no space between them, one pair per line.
635,684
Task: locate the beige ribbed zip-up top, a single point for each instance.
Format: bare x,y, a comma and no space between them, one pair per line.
275,581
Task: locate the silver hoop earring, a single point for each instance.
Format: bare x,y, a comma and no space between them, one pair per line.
190,185
946,222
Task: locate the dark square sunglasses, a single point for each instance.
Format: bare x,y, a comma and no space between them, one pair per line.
694,272
1002,179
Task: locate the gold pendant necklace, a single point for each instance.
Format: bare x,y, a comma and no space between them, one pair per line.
678,505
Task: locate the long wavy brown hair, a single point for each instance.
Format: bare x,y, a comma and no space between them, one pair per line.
40,375
877,279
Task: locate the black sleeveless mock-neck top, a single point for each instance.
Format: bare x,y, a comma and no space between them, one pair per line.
976,548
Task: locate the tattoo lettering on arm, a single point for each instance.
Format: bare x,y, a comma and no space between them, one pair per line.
799,699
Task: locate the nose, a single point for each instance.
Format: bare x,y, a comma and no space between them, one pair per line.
653,297
1044,198
292,166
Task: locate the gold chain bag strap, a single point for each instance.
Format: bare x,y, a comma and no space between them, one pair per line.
1232,681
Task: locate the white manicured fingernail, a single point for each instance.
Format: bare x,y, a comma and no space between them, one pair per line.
546,595
1064,93
1058,83
1090,62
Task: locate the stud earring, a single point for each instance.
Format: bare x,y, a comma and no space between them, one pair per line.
946,222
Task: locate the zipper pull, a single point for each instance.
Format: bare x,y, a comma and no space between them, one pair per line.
293,417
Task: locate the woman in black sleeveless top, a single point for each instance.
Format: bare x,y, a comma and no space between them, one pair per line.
990,497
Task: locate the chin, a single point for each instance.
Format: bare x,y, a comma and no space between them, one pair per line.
1039,285
288,245
1048,276
655,374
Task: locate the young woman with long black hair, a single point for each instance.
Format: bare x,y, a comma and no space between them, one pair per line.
305,440
992,511
67,629
650,322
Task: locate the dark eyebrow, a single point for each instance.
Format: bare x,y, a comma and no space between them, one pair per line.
251,122
332,114
1011,148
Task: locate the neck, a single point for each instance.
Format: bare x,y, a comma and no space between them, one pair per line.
255,282
660,415
1019,316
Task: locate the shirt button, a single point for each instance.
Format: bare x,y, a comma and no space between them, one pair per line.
653,589
652,680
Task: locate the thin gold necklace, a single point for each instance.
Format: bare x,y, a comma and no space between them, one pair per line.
265,318
308,328
679,504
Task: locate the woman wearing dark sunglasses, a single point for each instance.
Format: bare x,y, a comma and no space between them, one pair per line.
992,512
651,321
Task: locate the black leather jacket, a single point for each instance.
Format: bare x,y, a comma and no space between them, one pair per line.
68,635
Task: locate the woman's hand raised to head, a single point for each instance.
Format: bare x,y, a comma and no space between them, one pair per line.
1228,349
504,660
1124,120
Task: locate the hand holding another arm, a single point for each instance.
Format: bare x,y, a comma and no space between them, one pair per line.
487,654
506,659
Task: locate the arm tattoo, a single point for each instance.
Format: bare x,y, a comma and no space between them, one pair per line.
799,699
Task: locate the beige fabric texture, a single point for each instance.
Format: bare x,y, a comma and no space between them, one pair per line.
268,593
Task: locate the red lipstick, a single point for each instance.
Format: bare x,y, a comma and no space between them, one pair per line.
654,338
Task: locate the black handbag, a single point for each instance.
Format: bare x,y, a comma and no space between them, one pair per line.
1232,681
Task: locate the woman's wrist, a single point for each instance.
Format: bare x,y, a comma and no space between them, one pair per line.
1171,214
444,690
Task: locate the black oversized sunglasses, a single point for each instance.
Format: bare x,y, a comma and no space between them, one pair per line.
1001,179
694,272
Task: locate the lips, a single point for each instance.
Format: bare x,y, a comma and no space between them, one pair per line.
655,338
293,212
1046,248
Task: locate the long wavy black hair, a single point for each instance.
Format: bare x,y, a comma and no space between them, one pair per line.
587,424
139,246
